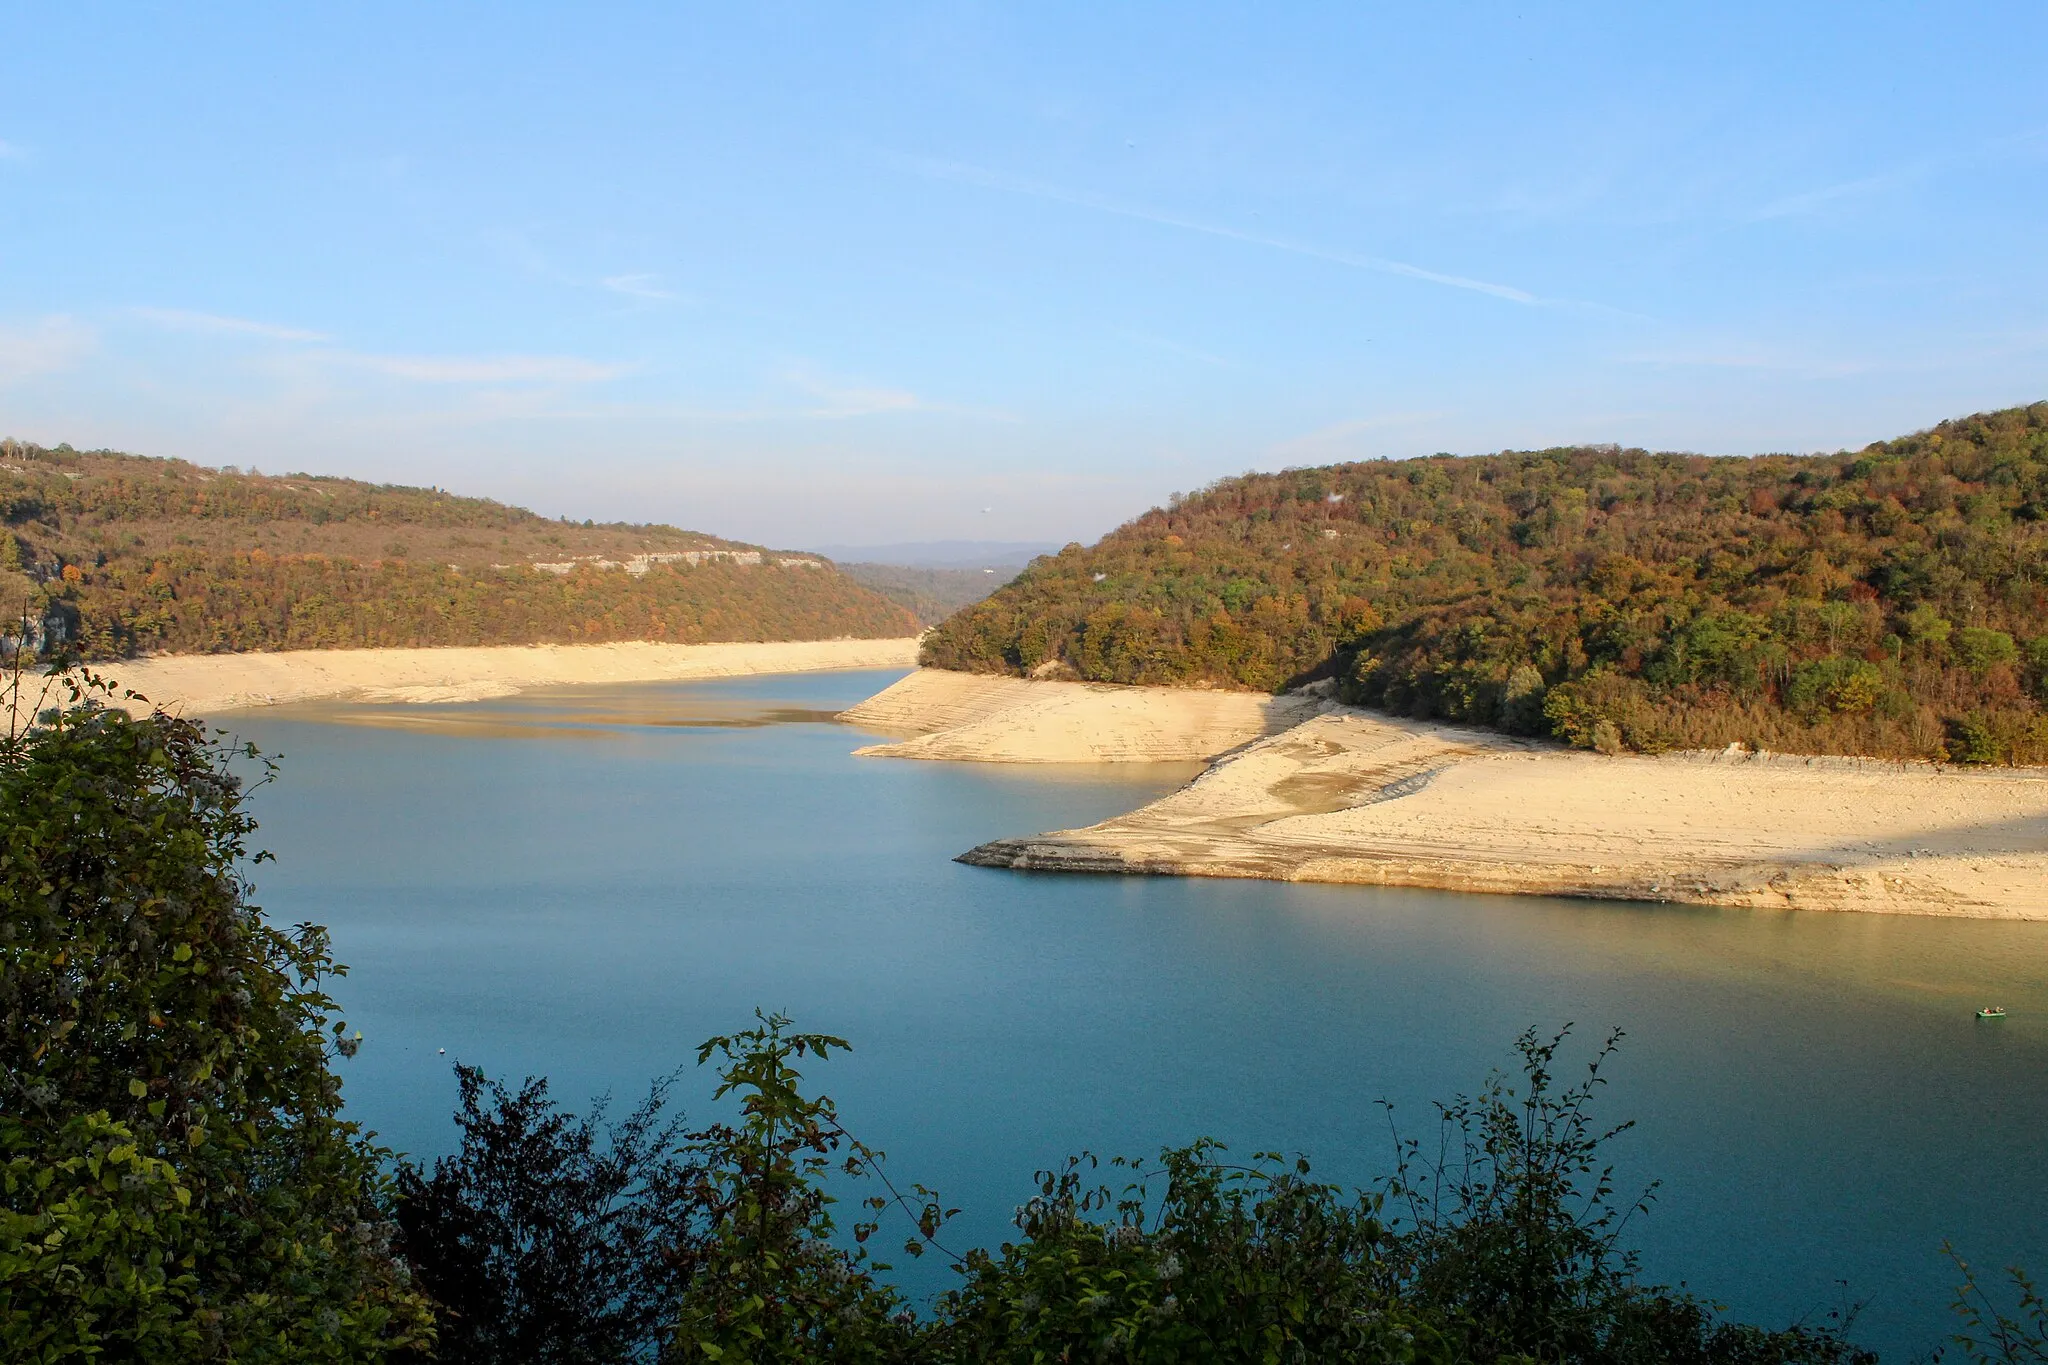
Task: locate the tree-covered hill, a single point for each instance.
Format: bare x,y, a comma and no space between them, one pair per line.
931,594
1890,601
123,554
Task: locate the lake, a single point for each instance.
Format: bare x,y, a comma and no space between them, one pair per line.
585,884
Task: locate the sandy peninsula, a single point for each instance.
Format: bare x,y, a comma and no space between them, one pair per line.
976,717
203,684
1306,790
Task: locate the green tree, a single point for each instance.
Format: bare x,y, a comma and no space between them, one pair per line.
767,1281
1231,1262
1508,1233
1521,706
1503,1243
1927,627
2037,665
1981,650
179,1184
1834,684
1507,1247
539,1239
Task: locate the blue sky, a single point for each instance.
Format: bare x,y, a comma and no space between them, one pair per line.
859,272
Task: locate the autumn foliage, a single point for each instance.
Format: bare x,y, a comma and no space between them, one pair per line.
1891,601
125,555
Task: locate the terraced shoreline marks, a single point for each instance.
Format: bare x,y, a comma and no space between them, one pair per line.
203,684
980,718
1354,797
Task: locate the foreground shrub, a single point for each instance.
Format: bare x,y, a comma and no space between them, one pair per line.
1231,1262
768,1282
1509,1234
1501,1243
179,1184
1997,1335
548,1237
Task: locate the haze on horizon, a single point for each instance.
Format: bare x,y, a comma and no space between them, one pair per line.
948,271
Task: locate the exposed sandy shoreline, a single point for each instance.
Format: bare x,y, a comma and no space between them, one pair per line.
1353,796
202,684
981,718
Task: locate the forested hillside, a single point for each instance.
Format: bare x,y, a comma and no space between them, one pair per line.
121,554
1890,601
932,594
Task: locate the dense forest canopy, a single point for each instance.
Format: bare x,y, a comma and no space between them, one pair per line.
121,554
1889,601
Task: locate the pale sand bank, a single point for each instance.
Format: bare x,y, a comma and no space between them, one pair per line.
979,718
202,684
1353,796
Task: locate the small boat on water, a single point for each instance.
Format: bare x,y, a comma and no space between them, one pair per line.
1992,1012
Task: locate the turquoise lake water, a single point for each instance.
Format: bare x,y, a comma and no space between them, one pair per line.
584,884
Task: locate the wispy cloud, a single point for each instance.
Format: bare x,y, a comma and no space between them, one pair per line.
422,369
12,151
2027,143
1813,201
43,347
638,287
518,250
185,320
1033,189
840,398
854,400
496,369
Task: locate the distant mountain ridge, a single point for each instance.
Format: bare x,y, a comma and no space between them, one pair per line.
930,594
935,578
1891,601
944,554
117,554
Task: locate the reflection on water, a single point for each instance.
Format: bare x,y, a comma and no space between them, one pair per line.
1940,968
1813,1089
